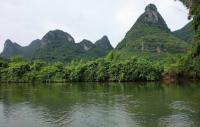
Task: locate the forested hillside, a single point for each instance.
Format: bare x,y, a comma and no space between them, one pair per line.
149,52
58,45
151,38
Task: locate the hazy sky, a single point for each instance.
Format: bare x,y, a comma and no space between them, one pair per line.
25,20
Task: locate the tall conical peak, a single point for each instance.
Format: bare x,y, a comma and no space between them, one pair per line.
7,45
104,40
104,43
8,42
152,17
105,37
151,7
10,49
151,14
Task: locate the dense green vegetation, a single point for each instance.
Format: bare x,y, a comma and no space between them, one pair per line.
189,66
194,7
149,52
101,70
58,45
151,38
186,33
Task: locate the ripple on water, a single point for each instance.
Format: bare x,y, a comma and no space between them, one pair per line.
100,116
181,116
181,106
177,120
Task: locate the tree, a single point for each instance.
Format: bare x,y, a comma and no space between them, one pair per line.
194,7
37,65
16,69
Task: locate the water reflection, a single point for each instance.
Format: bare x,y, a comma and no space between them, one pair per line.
97,105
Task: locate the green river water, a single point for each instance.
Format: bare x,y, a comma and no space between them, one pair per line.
100,105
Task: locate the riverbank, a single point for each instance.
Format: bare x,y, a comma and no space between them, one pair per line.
18,70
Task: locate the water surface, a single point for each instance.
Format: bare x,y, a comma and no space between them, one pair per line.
100,105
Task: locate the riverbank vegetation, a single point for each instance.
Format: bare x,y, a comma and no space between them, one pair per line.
100,70
110,68
189,67
106,69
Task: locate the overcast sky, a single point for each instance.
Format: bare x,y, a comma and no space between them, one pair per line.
25,20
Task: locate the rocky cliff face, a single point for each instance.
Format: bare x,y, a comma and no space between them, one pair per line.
151,16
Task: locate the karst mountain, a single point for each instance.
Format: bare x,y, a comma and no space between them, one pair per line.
58,45
149,37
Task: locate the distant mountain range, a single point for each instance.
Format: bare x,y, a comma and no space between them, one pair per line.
149,36
58,45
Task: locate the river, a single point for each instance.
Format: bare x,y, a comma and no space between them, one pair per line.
100,105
